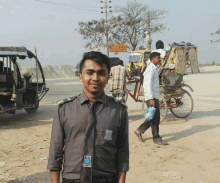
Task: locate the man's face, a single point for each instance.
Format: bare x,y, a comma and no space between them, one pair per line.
94,77
156,60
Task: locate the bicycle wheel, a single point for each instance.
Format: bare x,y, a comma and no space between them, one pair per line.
163,108
184,105
126,95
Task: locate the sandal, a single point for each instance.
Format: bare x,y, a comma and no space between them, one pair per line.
139,136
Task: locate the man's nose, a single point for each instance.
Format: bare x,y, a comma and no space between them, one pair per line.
95,76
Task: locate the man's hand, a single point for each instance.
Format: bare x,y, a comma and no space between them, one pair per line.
121,177
55,176
152,103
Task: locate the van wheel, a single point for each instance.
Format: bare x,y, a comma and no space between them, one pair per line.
32,110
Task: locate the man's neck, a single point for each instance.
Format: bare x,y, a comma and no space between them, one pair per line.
92,97
153,63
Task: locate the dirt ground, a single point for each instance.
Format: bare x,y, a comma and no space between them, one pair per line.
192,155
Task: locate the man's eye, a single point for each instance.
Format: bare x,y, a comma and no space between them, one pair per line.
90,73
102,73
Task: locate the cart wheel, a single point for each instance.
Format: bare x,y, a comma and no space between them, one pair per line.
32,110
163,108
185,107
144,107
126,95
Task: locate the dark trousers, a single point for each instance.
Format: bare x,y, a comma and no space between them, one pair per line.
154,123
95,180
70,181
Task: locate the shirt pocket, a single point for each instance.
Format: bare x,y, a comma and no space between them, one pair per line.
105,137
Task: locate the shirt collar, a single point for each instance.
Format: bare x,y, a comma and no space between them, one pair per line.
84,99
153,65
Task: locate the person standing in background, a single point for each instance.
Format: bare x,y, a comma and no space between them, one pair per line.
119,74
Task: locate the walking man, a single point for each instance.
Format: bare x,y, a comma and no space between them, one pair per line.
152,97
119,74
89,138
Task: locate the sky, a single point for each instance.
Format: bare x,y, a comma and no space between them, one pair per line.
52,29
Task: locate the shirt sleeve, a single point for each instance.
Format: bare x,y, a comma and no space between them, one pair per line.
56,144
123,145
163,53
148,84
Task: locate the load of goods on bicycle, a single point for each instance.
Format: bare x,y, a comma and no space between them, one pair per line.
177,61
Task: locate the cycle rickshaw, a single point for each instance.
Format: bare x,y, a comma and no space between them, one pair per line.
173,95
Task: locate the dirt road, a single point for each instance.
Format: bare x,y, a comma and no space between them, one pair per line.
192,155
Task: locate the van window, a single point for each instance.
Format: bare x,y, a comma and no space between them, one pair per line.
146,56
135,57
30,66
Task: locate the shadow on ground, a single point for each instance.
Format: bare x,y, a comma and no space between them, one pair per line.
43,177
188,132
201,114
22,119
209,72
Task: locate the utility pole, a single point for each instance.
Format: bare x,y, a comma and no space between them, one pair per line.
148,37
106,22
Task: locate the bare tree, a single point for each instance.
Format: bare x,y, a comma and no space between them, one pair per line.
215,33
129,27
134,20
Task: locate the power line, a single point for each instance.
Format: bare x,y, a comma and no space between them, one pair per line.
67,5
43,9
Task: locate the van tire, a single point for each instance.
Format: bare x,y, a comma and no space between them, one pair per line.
32,110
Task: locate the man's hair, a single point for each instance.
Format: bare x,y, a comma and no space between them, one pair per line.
154,54
159,44
97,57
120,62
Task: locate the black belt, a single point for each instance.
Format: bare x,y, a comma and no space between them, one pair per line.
106,179
70,181
95,180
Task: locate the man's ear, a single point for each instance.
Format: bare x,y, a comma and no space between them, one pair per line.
80,77
108,79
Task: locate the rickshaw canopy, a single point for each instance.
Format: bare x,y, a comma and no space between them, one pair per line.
12,50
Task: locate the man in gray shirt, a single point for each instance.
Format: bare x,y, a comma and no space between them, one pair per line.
89,137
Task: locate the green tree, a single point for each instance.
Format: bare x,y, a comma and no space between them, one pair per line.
93,32
214,34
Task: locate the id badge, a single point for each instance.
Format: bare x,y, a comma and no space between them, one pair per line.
87,161
108,135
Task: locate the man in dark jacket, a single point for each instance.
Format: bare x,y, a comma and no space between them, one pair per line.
90,131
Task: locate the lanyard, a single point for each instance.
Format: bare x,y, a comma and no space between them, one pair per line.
87,163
